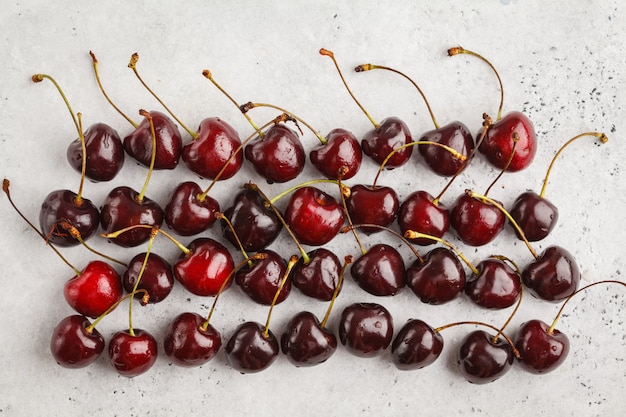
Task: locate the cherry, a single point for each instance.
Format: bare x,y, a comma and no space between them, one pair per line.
339,149
65,205
132,353
498,142
105,153
416,345
74,344
496,285
317,276
541,349
437,278
157,280
188,214
372,205
138,144
536,215
421,212
94,289
365,329
189,343
476,222
552,276
481,359
380,271
261,280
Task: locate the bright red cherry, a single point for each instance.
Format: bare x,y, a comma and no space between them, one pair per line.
94,290
313,216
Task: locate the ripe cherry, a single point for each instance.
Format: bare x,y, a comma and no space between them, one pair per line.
138,144
157,279
317,275
65,205
481,359
372,205
552,276
261,280
416,345
365,329
380,270
495,285
541,348
132,353
188,342
339,149
74,343
437,278
422,213
94,290
187,213
476,222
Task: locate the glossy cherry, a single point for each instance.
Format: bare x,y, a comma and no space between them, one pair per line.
416,345
476,222
497,284
380,271
313,216
187,213
278,156
74,344
262,280
318,277
419,212
188,342
541,349
437,278
251,349
138,144
157,278
94,290
132,354
482,360
105,153
455,135
306,342
372,205
553,276
378,143
65,205
365,329
341,150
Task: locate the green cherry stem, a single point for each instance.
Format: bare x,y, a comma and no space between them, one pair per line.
75,233
478,323
347,261
147,115
292,261
412,234
144,300
153,235
346,229
37,78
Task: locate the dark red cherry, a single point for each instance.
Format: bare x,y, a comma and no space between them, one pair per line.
541,350
390,134
416,345
419,213
535,215
372,205
250,349
96,289
319,277
214,146
186,214
62,205
437,279
169,142
255,224
342,150
380,271
73,345
188,343
132,355
279,156
206,266
261,281
313,216
498,142
157,277
476,222
497,285
365,329
105,153
123,209
305,342
554,276
483,360
455,135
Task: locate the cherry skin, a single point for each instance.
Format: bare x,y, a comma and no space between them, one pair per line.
157,278
132,355
188,344
380,271
96,289
365,329
535,215
419,213
438,279
498,142
279,156
342,150
319,277
122,209
305,342
169,142
206,266
313,216
214,146
455,135
105,153
72,345
554,276
261,281
61,205
416,346
250,349
186,214
476,223
541,351
255,224
497,285
481,360
372,205
379,142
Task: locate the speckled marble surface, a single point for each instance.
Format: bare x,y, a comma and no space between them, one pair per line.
561,62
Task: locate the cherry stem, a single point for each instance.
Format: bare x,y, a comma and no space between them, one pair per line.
153,235
329,54
133,65
147,115
483,133
292,261
497,205
460,50
179,245
207,74
508,321
5,187
146,297
83,168
478,323
256,257
453,151
412,234
301,185
344,192
515,138
40,77
346,229
223,217
75,233
558,315
601,136
368,67
251,105
106,96
347,261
